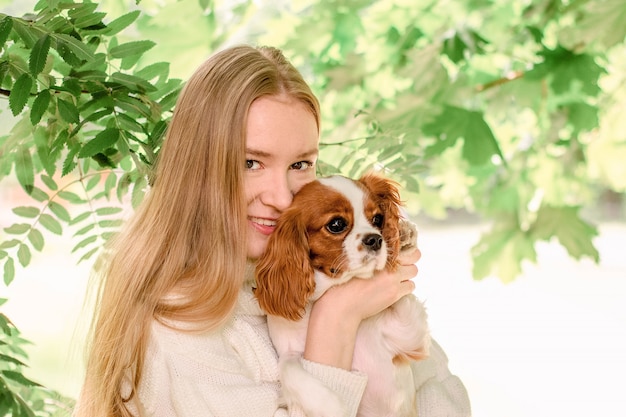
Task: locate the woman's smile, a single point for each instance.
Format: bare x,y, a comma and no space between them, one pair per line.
262,225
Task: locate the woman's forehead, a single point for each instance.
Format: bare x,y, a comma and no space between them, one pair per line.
281,125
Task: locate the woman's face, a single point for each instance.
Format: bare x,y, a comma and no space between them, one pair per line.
281,152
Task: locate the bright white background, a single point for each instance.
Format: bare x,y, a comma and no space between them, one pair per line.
552,343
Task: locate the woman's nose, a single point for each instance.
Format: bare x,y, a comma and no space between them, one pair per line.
279,193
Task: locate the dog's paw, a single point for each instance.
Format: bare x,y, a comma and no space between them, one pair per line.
408,235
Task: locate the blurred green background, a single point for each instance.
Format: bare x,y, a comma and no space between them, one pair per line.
501,119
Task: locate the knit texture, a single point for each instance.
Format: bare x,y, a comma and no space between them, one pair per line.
234,372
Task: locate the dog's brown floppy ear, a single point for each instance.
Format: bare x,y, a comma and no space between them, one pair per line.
387,196
284,275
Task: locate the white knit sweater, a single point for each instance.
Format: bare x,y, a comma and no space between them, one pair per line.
233,372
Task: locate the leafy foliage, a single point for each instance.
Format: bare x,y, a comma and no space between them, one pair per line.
83,102
19,395
510,110
486,106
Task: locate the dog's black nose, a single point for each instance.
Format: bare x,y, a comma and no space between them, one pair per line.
373,241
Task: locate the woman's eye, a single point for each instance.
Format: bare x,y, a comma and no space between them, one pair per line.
378,220
302,165
337,225
251,164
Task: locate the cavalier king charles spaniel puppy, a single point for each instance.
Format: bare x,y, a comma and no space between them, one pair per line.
337,229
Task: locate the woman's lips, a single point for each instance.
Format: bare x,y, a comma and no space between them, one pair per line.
264,226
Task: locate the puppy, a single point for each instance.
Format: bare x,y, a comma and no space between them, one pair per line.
338,229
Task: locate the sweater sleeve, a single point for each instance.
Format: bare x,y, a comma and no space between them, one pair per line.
439,392
349,386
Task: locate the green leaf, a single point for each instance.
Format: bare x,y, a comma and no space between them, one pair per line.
19,378
85,242
128,124
50,183
11,359
17,229
565,224
24,169
568,70
79,10
20,93
454,48
9,271
70,162
4,69
28,212
60,211
158,133
23,255
68,111
103,140
88,20
132,82
40,105
39,55
7,244
122,22
84,230
39,195
51,224
582,116
108,211
93,182
5,29
110,223
462,43
71,197
89,254
158,69
455,123
110,183
501,252
131,48
81,217
6,326
35,237
79,49
28,34
138,193
59,24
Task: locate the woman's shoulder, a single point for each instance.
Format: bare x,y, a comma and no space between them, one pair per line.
180,348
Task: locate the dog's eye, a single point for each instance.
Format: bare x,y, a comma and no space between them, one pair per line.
337,225
378,220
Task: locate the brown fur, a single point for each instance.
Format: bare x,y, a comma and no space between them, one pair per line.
300,243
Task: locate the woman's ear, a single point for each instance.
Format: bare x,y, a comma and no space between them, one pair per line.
284,275
387,195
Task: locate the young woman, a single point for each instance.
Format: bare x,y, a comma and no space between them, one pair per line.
177,330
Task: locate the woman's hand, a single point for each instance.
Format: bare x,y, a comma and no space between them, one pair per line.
359,299
336,316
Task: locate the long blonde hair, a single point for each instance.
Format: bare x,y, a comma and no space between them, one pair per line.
182,257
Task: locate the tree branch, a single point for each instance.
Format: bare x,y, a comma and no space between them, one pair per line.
511,76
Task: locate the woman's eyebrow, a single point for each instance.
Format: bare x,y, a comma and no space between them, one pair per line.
256,152
265,154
